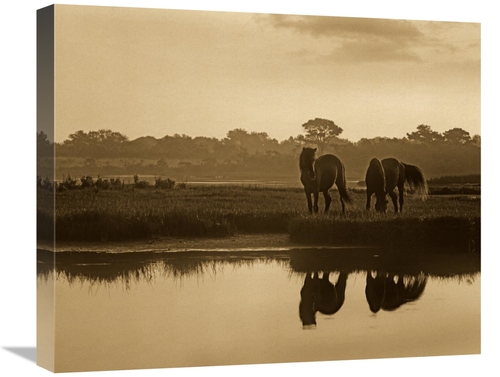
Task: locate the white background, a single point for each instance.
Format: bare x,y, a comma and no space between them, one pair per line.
18,171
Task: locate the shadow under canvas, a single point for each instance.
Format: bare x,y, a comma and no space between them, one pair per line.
29,353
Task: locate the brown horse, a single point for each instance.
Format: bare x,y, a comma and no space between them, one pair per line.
375,184
382,177
320,295
319,175
389,291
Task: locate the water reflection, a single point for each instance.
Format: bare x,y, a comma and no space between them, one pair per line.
256,306
319,294
389,291
392,279
384,291
127,266
107,268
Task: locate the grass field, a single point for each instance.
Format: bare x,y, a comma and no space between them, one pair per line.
132,214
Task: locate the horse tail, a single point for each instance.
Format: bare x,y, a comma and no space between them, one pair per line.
415,178
342,184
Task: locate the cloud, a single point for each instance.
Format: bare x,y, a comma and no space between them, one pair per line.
346,27
357,40
380,51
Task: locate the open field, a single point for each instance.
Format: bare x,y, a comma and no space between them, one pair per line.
140,214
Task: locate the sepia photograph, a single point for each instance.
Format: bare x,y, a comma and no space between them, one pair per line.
254,189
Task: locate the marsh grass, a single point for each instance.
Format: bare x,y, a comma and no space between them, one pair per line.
395,232
87,215
201,211
438,222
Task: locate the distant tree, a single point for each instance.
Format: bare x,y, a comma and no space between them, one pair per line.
320,132
476,140
78,138
108,136
43,145
238,136
93,137
424,134
206,143
162,163
457,136
335,142
141,147
253,142
227,150
42,139
209,162
292,145
99,143
183,136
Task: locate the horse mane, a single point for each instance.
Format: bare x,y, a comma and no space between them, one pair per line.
304,163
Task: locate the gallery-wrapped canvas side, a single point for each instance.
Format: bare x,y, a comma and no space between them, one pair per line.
45,187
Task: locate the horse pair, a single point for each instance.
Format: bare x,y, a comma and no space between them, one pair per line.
382,177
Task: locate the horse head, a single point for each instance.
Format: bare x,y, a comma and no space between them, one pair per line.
306,161
381,205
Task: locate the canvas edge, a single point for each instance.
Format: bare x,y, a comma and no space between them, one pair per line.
45,75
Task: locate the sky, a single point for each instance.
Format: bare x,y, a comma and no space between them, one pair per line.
158,72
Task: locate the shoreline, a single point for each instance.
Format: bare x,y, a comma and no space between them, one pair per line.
243,242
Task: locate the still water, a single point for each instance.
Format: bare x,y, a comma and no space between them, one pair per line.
128,311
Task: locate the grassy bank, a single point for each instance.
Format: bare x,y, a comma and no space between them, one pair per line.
135,214
404,232
115,215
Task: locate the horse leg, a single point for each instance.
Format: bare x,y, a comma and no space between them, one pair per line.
309,201
316,194
401,197
394,198
328,200
307,312
368,200
342,203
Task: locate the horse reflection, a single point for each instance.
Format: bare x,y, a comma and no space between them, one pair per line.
320,295
389,291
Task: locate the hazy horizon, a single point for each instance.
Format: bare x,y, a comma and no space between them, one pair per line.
303,132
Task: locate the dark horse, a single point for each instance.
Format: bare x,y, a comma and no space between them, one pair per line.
389,291
319,175
320,295
382,177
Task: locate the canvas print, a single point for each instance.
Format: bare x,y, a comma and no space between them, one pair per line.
224,188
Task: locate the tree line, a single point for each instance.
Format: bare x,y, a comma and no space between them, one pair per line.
242,153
